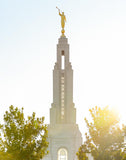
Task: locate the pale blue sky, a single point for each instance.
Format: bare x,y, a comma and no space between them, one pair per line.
96,32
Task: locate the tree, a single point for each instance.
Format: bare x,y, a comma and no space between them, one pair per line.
124,151
23,139
81,154
104,139
123,154
6,156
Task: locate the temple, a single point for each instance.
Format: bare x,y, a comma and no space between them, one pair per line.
64,135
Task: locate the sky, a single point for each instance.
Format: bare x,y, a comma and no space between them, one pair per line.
96,32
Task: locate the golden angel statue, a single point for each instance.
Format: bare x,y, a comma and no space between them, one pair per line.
63,20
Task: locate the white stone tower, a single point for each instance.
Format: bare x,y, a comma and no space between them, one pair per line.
64,135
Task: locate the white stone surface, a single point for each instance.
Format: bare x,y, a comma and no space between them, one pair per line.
63,130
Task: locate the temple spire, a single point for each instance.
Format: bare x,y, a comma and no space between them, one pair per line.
64,136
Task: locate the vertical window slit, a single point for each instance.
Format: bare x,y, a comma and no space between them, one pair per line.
62,60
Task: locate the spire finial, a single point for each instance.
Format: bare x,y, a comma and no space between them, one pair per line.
63,20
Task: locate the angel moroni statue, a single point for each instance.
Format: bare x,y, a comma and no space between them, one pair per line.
63,20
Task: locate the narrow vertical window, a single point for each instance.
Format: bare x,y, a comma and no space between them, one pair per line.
62,60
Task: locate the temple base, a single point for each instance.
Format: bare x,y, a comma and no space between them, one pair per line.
63,136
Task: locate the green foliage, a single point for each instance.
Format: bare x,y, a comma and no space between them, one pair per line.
105,139
23,139
81,154
124,130
123,154
6,156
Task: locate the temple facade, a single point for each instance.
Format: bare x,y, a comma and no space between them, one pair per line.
64,135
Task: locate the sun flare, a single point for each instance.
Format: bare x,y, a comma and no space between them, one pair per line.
121,111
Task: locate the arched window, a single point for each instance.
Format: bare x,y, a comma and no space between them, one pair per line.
62,154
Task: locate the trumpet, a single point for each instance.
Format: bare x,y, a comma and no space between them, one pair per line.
58,9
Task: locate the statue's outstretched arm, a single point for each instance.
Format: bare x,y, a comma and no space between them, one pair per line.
60,13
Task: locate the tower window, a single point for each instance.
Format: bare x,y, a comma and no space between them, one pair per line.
62,154
62,53
62,60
